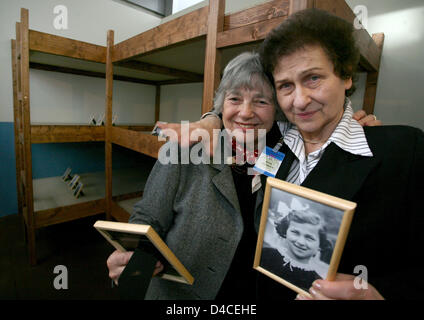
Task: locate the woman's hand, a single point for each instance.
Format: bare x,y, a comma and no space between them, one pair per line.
117,262
202,130
366,120
342,288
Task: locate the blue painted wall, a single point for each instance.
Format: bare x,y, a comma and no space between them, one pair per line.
8,197
52,159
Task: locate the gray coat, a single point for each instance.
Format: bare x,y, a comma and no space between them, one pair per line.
196,210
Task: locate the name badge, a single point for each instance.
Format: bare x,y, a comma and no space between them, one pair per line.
269,162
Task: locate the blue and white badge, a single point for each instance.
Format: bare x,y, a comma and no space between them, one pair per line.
269,162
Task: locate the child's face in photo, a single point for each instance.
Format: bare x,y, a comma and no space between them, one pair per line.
302,240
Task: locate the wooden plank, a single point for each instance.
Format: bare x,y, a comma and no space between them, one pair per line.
52,216
250,33
122,197
174,81
49,43
108,123
119,213
252,24
147,127
147,67
75,133
258,13
24,63
80,72
189,26
137,141
372,79
370,53
212,54
66,133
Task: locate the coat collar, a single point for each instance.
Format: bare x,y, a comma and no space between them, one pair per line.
224,182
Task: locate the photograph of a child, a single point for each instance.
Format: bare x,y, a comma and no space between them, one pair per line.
299,238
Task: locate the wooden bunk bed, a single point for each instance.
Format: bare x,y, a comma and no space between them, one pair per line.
214,36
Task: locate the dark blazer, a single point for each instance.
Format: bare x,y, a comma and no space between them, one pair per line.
386,235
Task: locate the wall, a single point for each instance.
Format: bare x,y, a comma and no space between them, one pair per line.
399,93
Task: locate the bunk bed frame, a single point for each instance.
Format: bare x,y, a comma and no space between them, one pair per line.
209,25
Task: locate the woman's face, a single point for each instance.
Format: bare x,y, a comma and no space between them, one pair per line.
245,111
308,91
302,240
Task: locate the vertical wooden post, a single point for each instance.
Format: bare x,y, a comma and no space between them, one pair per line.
157,103
19,143
16,127
212,54
24,69
372,78
108,123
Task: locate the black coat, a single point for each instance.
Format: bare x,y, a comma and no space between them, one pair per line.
387,231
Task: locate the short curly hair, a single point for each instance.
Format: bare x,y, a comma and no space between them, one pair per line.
313,27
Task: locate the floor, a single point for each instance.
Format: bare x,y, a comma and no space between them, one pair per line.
76,247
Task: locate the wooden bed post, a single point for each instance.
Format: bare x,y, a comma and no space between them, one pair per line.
372,78
23,98
17,122
212,54
108,123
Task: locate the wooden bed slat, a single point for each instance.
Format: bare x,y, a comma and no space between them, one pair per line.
181,29
49,43
259,13
249,33
143,66
137,141
75,133
66,133
68,213
88,73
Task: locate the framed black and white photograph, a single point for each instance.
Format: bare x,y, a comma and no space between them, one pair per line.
301,235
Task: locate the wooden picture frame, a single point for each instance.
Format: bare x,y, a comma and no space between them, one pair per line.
302,234
129,236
